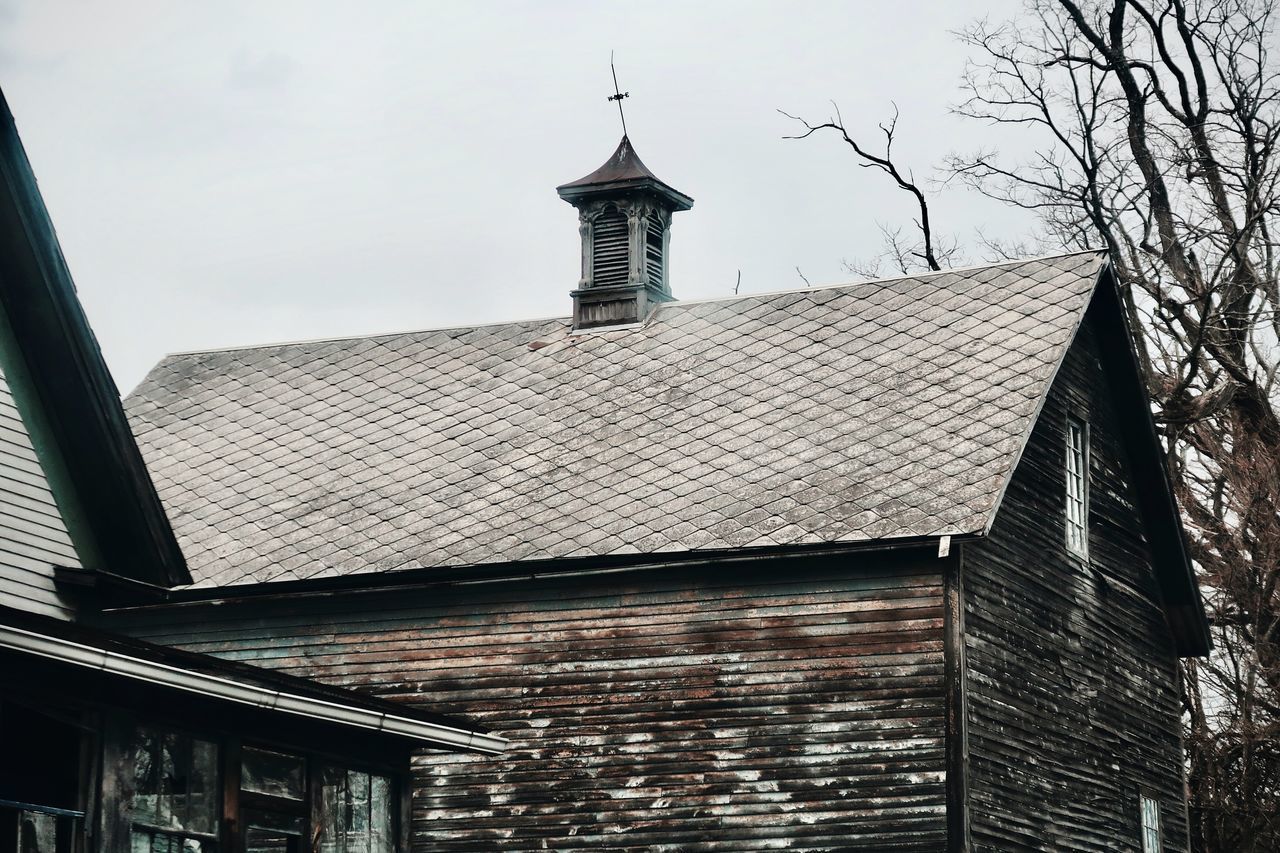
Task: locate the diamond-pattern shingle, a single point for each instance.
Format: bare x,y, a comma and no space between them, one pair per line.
866,411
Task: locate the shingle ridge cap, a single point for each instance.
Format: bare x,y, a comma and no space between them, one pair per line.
528,321
885,280
666,305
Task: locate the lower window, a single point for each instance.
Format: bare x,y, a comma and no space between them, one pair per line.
31,829
175,807
40,779
287,802
355,813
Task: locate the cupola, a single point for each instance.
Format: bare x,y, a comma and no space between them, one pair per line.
624,218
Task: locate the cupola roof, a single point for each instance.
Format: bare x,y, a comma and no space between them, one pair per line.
624,171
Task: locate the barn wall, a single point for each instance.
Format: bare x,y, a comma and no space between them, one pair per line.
1073,701
799,706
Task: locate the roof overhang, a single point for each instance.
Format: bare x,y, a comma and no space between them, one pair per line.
623,174
672,197
1179,589
281,701
418,578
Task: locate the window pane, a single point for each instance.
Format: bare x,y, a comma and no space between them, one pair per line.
203,792
1150,825
1077,471
145,841
271,832
274,773
175,786
38,832
355,812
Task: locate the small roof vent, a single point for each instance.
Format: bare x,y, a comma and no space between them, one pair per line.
624,218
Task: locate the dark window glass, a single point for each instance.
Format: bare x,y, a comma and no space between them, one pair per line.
33,831
176,797
40,756
275,773
150,841
355,813
271,832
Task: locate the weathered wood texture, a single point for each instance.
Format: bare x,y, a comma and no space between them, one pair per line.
1073,699
33,537
794,706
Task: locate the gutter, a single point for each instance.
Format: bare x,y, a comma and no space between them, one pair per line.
428,577
65,651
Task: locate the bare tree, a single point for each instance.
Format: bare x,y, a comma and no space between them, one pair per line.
1158,124
899,252
1155,126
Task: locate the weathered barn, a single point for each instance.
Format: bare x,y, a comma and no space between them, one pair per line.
110,744
886,566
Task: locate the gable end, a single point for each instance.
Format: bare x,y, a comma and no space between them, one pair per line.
107,486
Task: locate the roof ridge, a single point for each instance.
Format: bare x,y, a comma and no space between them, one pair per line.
664,306
927,274
398,333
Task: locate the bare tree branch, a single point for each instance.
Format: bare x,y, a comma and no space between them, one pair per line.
883,162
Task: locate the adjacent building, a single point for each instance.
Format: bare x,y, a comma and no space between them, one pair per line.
109,744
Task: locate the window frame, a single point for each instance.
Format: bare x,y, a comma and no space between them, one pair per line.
1143,829
1076,470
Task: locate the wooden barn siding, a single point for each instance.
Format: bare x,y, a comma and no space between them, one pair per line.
1073,699
799,707
33,538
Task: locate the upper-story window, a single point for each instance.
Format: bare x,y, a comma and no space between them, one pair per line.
1150,825
1077,486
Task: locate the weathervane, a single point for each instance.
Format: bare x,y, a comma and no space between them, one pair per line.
618,95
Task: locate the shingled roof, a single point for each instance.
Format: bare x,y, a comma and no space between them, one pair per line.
868,411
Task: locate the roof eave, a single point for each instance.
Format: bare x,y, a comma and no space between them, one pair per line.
583,566
575,193
1175,571
124,658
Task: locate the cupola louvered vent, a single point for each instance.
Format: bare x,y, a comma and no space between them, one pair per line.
609,256
654,260
624,219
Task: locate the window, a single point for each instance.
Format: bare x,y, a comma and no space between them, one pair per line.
273,800
40,810
353,810
176,799
1150,825
355,813
287,802
1077,486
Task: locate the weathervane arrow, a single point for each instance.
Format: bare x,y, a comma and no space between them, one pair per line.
618,95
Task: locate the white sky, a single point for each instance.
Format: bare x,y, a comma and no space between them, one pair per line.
243,172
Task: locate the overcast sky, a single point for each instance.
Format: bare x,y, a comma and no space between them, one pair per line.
244,172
